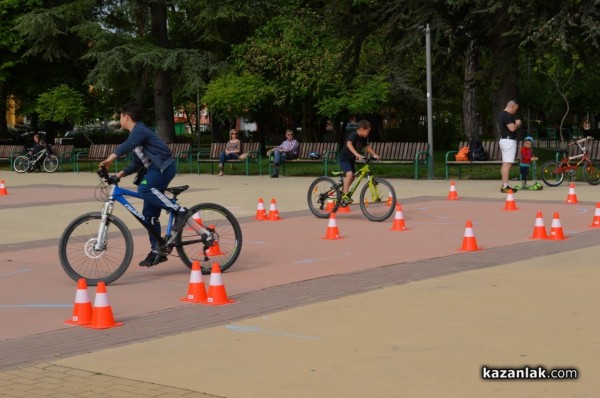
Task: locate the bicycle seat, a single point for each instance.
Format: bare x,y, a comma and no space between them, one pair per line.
337,173
177,190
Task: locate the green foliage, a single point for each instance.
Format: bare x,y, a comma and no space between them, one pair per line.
230,96
61,104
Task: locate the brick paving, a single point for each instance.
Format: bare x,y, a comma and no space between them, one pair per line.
26,371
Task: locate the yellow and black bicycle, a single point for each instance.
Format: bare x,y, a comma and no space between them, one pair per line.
377,196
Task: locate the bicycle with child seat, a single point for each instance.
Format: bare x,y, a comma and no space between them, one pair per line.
377,197
24,163
98,246
554,171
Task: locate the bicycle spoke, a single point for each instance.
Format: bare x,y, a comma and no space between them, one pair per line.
323,197
378,200
223,242
81,259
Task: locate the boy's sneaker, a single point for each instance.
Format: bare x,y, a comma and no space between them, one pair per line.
346,199
151,259
507,189
180,219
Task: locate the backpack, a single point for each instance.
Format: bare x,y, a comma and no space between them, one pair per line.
477,151
462,155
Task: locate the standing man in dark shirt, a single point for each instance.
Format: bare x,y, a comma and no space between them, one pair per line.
152,155
350,152
508,124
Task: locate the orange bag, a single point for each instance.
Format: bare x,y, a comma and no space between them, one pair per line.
462,155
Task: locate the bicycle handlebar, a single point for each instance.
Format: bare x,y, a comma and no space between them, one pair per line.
103,174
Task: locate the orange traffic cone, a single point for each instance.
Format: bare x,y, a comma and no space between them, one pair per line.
261,213
329,204
452,195
398,220
469,243
273,212
102,318
215,249
216,290
539,230
389,200
596,220
3,191
196,217
510,201
343,209
556,231
572,197
333,233
196,289
82,310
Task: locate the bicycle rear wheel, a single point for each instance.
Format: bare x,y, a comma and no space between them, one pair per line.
21,164
79,258
591,172
323,197
552,173
51,163
221,246
378,200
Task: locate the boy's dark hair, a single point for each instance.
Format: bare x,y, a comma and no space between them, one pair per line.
364,124
133,110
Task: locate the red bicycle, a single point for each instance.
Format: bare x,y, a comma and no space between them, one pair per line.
554,171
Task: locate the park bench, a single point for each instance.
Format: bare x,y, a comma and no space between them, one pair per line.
64,153
492,148
182,152
10,152
403,153
328,153
95,154
251,149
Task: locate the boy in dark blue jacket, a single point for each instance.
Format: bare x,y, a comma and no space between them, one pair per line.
151,154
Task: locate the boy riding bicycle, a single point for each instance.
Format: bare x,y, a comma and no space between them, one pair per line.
351,152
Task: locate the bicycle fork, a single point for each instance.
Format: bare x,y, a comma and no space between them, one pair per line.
373,189
103,230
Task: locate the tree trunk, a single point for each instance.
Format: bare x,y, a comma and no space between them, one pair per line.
504,72
470,112
163,88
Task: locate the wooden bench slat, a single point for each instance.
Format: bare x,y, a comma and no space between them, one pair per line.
403,153
97,152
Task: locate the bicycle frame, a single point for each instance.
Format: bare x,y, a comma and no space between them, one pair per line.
363,172
583,158
119,194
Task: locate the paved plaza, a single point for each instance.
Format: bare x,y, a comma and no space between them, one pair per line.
379,313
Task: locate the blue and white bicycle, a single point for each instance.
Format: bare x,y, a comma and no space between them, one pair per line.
98,246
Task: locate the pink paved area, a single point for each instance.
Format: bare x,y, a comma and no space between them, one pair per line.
279,259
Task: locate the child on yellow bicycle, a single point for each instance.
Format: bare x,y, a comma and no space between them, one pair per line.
350,152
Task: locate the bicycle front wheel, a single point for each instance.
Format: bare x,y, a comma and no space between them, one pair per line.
51,163
323,197
222,245
591,172
21,164
552,173
78,252
378,200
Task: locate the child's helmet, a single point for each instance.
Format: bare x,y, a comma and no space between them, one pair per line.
314,156
528,138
